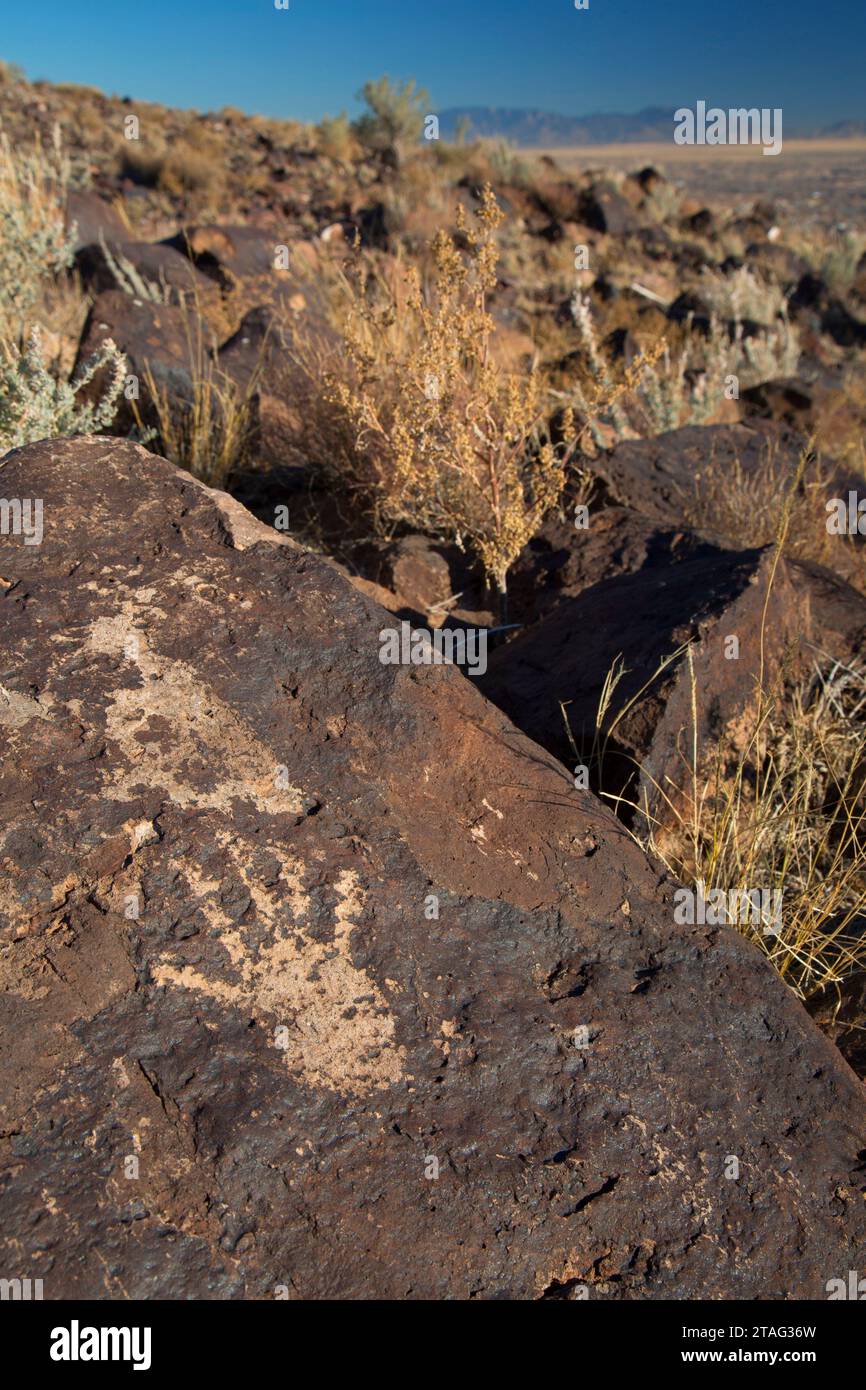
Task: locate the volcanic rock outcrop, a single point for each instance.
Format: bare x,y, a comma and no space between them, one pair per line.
748,621
665,477
321,980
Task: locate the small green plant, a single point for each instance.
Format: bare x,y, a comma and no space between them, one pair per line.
395,118
35,243
672,389
742,295
34,405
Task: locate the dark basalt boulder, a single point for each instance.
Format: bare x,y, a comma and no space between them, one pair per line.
226,253
840,1010
640,617
604,209
256,266
288,933
170,274
691,309
638,621
813,304
156,339
777,262
686,470
93,218
788,400
565,558
788,620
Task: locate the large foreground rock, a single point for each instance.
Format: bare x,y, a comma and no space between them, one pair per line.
238,1044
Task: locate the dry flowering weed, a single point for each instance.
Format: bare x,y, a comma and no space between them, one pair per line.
433,432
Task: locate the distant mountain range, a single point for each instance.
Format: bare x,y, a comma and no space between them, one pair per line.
846,129
527,127
532,127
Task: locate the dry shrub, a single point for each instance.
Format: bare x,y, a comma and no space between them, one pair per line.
742,295
336,140
141,163
394,118
832,253
604,389
418,420
507,164
192,169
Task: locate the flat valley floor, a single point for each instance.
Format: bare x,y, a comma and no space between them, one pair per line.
822,182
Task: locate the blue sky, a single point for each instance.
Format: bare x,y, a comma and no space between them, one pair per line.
807,56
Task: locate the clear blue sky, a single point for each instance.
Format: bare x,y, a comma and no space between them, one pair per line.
807,56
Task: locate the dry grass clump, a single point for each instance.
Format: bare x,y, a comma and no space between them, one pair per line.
419,421
785,809
211,430
193,168
141,162
130,280
778,803
742,508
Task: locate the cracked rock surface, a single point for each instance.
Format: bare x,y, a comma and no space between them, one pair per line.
286,931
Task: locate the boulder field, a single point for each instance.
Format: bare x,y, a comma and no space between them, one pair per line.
321,980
